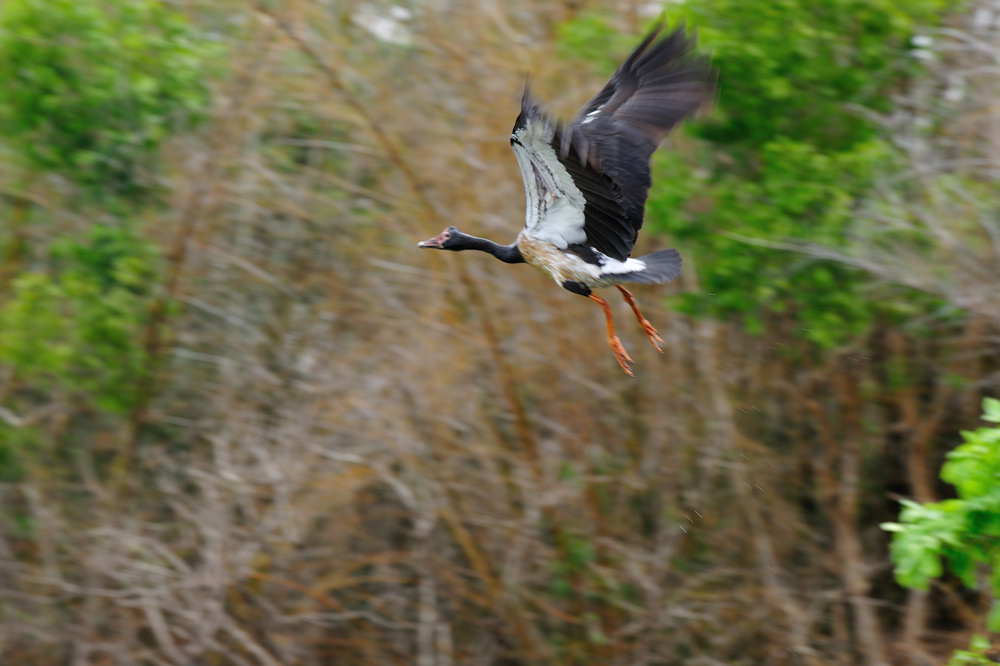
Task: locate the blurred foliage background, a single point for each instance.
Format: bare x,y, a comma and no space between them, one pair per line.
243,420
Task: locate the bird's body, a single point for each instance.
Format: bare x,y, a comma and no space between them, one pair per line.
586,181
562,266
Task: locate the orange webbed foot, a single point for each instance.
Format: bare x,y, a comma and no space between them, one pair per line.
616,345
651,333
618,349
647,328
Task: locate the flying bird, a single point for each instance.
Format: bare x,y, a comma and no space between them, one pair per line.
586,181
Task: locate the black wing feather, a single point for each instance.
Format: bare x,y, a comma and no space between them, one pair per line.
608,143
606,206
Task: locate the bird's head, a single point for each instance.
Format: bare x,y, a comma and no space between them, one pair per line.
449,239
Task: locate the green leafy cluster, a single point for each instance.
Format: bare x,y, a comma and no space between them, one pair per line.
965,532
792,156
91,88
790,69
976,655
80,328
786,154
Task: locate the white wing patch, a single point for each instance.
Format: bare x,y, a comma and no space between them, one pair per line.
615,267
553,204
593,114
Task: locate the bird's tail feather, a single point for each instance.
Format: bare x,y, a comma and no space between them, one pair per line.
662,266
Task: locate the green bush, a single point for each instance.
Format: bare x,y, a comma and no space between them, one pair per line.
963,532
91,88
80,328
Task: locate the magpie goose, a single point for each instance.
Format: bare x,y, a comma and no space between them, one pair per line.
586,181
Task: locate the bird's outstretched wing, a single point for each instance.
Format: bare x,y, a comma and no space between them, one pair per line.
586,181
558,202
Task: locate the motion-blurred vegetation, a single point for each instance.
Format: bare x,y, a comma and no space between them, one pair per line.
92,88
78,327
244,421
791,154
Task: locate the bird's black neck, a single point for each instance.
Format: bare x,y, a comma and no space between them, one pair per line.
509,254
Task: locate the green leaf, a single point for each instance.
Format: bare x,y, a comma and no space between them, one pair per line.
991,410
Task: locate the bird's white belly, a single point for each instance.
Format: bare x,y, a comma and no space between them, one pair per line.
549,260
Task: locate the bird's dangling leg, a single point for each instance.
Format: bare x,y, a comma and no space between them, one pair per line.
616,345
647,328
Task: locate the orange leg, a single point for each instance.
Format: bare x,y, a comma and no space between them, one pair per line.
647,328
616,345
